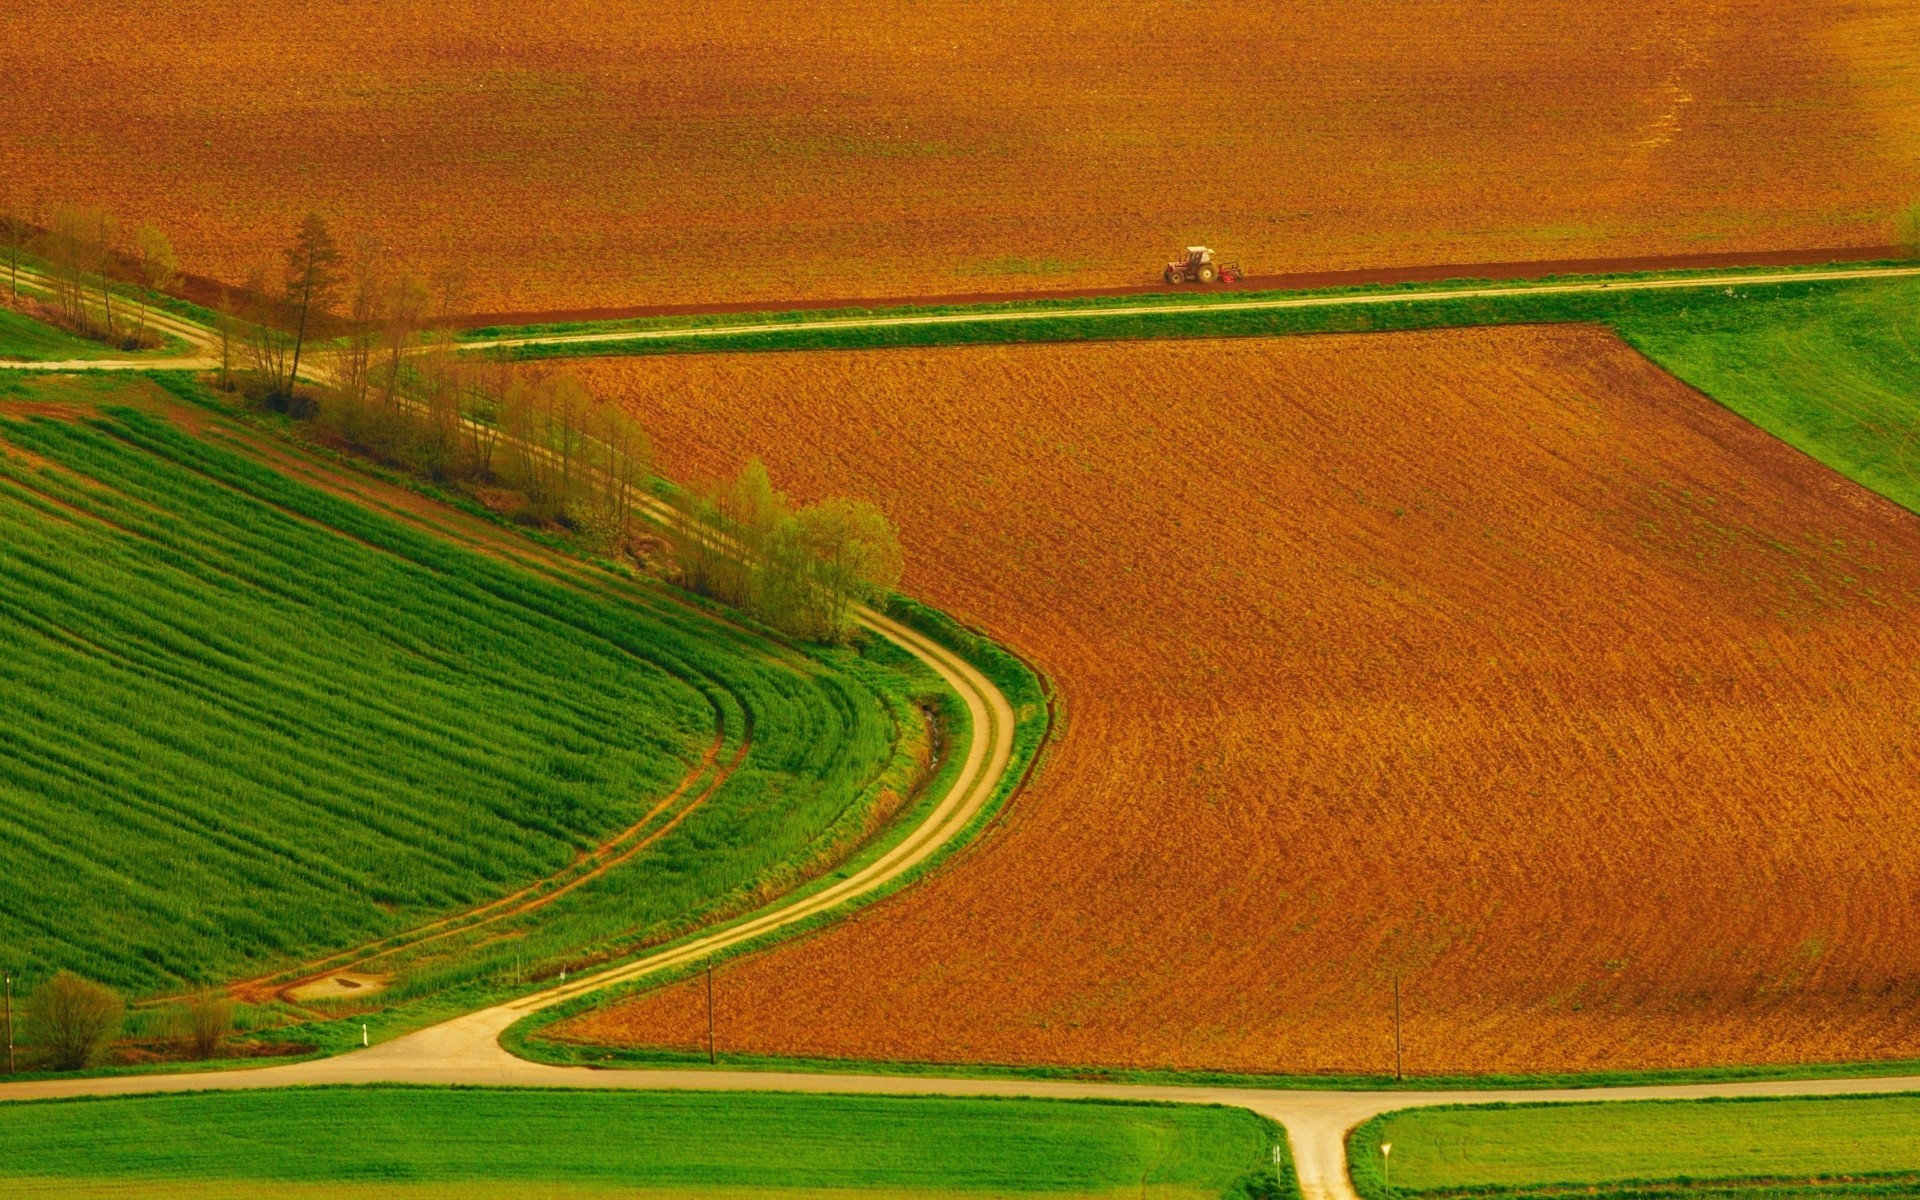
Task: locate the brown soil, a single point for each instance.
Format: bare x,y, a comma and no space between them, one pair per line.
1494,658
725,151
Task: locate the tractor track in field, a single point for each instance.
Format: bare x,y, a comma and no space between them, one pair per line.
585,868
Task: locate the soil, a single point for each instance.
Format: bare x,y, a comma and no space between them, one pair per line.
1497,659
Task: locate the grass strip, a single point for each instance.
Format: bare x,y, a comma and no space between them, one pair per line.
1762,1145
678,1140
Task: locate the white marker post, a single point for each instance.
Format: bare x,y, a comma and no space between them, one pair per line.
363,1034
1386,1164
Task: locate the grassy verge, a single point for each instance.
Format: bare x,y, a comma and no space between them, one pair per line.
409,1139
1750,1147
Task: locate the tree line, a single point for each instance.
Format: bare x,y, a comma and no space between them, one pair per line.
397,386
85,252
394,384
800,569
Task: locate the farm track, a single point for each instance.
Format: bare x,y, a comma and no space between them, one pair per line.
719,333
1297,282
467,1050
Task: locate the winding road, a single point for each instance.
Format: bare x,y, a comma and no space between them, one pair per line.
467,1050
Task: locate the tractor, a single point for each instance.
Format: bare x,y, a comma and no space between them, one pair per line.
1198,267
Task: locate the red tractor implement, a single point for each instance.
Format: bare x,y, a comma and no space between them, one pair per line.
1198,267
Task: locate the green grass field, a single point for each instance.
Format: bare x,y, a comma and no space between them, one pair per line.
1834,372
414,1141
26,340
250,721
1778,1147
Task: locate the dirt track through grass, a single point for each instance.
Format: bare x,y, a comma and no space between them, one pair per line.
160,580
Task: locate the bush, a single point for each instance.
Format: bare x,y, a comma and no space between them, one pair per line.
209,1021
72,1020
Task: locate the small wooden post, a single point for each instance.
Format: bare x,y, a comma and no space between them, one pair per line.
1396,1027
712,1059
9,1022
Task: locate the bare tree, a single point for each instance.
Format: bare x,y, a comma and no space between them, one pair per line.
72,1019
366,298
405,309
63,246
312,284
268,344
16,232
158,267
106,231
225,324
492,379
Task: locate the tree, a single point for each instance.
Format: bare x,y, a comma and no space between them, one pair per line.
854,557
802,572
268,344
225,325
100,256
71,1019
16,231
64,248
353,366
405,310
156,263
312,285
1907,228
625,458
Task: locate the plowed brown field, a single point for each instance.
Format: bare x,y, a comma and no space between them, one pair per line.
696,150
1497,658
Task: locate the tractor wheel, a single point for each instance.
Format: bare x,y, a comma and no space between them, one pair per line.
1173,276
1206,273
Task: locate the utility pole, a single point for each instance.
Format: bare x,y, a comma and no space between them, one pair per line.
1397,1074
9,1022
712,1059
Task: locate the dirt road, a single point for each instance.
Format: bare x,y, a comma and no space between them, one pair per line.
1298,282
466,1051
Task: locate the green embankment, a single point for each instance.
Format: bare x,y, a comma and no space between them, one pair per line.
1746,1147
250,722
423,1141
